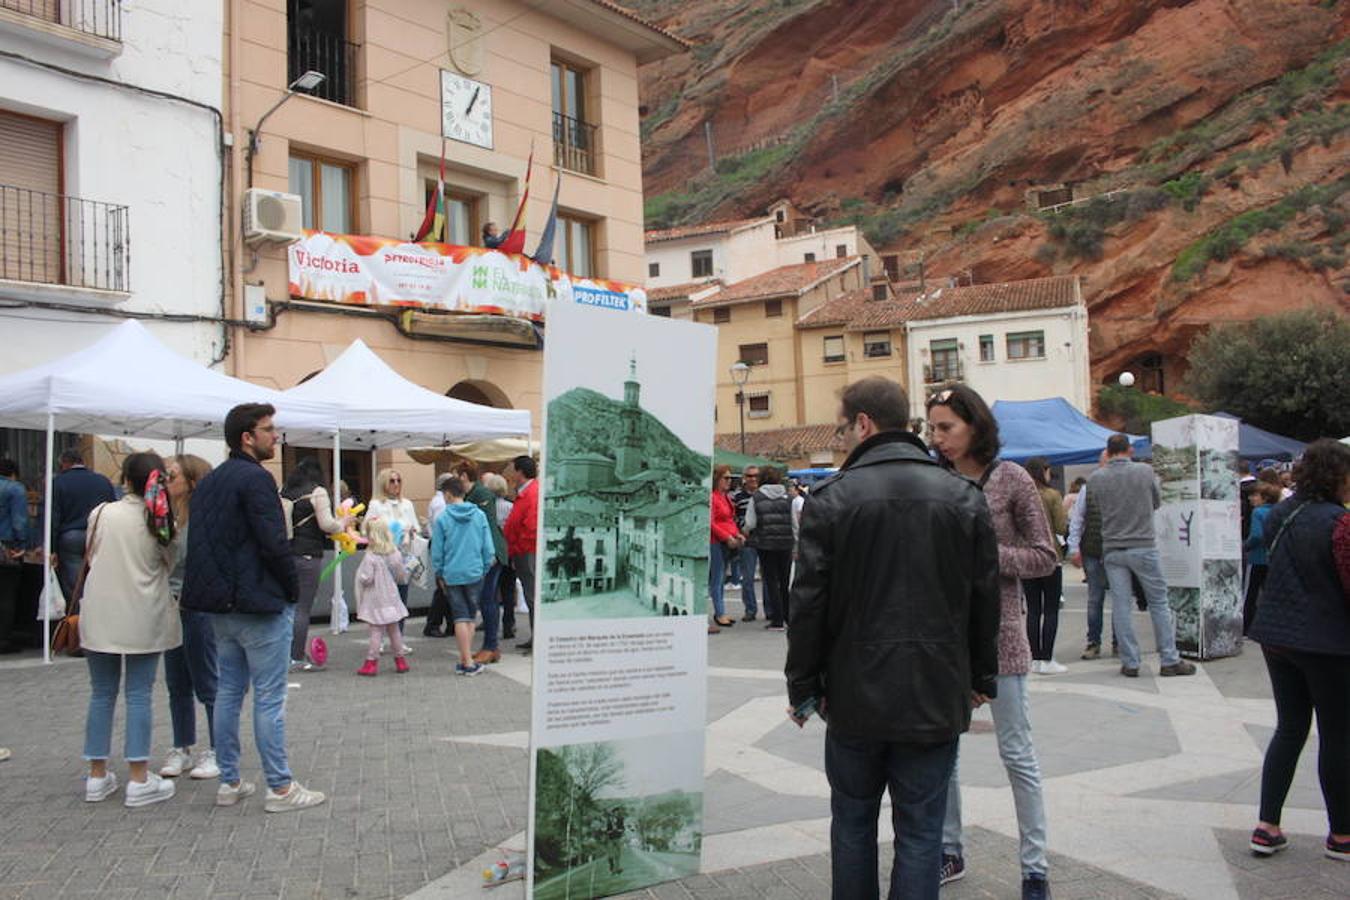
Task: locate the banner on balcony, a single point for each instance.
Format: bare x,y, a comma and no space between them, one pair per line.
620,644
374,271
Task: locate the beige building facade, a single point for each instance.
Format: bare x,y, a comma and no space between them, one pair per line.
363,150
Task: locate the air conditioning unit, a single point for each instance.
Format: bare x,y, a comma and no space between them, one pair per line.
271,217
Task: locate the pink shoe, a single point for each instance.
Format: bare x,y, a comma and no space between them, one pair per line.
370,667
401,665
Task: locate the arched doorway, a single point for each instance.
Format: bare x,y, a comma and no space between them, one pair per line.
484,393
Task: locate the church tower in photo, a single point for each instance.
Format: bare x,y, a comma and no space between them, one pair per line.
627,456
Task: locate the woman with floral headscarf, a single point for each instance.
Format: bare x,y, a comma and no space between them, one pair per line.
128,618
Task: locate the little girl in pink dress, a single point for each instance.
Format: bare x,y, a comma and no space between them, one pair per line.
377,600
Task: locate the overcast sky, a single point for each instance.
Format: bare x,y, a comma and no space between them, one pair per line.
660,763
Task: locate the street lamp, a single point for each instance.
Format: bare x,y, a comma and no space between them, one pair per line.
740,374
306,82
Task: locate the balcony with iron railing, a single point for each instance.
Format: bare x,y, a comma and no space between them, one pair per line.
97,23
943,372
574,144
53,239
330,54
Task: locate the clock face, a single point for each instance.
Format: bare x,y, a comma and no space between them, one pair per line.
466,110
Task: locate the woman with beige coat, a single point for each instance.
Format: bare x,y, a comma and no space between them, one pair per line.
127,620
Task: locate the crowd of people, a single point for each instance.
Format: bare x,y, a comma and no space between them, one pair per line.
919,583
927,584
216,571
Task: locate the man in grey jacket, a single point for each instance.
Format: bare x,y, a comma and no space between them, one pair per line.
1126,492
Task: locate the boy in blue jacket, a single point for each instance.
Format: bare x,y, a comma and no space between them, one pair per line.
461,554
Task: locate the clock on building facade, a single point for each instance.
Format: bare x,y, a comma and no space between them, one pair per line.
466,110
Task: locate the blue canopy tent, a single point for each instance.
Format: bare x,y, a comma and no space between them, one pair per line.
1054,429
1254,443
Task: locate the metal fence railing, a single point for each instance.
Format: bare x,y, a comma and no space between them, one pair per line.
102,18
330,54
574,144
55,239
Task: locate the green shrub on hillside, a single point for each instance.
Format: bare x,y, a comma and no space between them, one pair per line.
1230,237
1138,409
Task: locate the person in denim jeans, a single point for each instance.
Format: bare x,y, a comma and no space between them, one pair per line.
1127,494
127,619
725,537
189,669
965,433
746,559
891,648
240,569
462,553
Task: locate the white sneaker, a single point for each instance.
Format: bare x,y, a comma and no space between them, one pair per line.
298,797
1036,667
206,766
229,795
1050,667
179,758
96,789
152,790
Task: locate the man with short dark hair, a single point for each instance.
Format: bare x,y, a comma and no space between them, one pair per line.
747,557
482,497
75,493
1127,494
240,568
13,542
522,532
893,647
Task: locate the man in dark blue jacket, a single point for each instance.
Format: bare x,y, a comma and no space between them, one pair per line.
240,567
75,493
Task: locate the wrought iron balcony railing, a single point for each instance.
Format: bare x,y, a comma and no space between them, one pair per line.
574,144
330,54
101,18
60,240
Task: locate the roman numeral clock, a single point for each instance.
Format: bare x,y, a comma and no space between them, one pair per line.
466,110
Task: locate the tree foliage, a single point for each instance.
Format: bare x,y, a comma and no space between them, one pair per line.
1137,409
1288,373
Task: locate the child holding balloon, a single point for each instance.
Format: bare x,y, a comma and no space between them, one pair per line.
377,596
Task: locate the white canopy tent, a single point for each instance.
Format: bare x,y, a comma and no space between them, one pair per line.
129,384
366,405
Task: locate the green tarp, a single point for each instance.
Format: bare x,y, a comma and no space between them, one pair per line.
738,461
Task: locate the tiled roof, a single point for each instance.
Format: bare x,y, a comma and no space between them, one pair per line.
784,281
990,299
839,311
681,291
628,13
686,231
784,443
857,311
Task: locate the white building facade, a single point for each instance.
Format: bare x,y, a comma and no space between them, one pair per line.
1021,340
111,175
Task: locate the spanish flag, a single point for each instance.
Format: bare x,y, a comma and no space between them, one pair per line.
514,240
432,229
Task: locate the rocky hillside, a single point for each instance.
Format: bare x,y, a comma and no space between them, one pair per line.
1214,133
594,423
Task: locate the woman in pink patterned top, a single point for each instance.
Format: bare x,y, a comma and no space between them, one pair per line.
965,433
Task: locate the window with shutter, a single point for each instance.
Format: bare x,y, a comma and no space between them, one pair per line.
31,222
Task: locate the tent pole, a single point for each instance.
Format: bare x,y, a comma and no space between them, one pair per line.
335,626
47,541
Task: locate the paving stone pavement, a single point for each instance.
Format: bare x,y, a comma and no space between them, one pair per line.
426,772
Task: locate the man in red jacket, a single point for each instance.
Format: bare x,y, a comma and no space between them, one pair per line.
522,532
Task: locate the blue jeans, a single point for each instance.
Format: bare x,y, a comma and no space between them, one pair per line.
859,769
190,671
1145,564
1095,570
70,558
105,676
253,649
717,564
749,560
1013,729
464,601
490,603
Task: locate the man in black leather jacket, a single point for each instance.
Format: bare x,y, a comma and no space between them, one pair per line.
894,633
